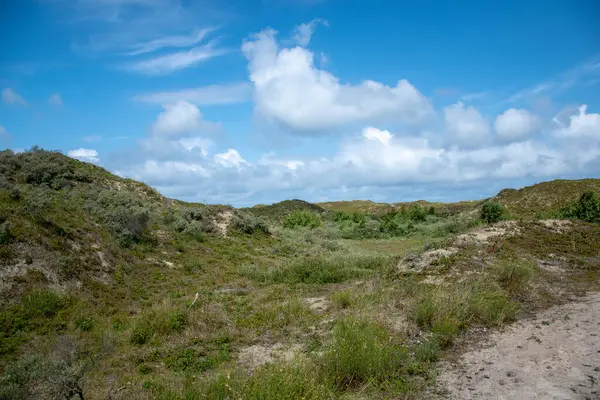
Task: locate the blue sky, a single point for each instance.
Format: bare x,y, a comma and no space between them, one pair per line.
246,102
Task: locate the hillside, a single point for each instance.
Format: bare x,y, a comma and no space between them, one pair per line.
110,290
545,198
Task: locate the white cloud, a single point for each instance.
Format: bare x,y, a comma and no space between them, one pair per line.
87,155
583,124
166,64
207,95
55,100
376,134
289,89
9,96
178,119
516,124
230,158
169,42
303,32
466,126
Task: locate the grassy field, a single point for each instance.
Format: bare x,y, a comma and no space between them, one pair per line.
110,290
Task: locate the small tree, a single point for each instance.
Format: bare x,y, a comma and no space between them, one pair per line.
492,212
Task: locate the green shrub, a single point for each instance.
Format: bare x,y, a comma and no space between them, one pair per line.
302,218
6,235
142,333
514,276
587,208
492,212
428,350
197,359
342,299
84,324
15,194
178,321
362,352
417,213
249,224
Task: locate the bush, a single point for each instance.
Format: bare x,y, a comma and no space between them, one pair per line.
587,208
84,324
514,276
40,167
417,213
492,212
6,235
362,352
249,224
302,218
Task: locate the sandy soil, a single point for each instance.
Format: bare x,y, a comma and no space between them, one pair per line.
554,356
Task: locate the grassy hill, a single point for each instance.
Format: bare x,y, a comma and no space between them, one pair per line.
110,290
545,198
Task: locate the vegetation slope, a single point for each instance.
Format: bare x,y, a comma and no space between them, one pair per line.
110,290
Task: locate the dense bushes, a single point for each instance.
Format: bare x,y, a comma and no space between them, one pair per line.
587,208
249,224
492,212
125,215
302,218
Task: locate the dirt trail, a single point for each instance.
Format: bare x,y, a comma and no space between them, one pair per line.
554,356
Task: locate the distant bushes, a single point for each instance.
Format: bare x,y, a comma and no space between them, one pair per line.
40,167
302,218
249,224
587,208
492,212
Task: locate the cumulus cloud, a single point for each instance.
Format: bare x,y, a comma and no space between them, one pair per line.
230,158
582,124
465,126
362,164
179,119
87,155
516,124
55,100
9,96
291,90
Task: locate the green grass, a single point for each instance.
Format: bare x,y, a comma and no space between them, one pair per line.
318,270
172,303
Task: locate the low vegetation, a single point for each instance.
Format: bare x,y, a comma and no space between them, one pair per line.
110,290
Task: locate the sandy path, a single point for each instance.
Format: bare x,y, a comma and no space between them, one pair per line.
554,356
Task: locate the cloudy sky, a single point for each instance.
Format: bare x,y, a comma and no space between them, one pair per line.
256,101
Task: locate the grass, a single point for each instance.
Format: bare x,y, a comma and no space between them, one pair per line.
174,304
317,270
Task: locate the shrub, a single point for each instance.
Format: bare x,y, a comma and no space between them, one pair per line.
342,299
142,333
84,324
249,224
6,235
15,194
417,213
50,168
302,218
492,212
587,208
362,352
514,276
